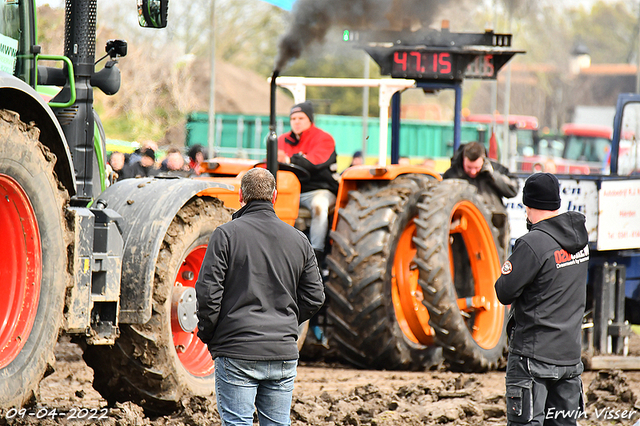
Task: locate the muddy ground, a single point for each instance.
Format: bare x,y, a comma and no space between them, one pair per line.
337,395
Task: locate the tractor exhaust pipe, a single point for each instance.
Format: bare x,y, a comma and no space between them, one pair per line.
272,139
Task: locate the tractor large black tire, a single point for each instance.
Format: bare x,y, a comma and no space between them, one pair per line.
143,365
453,330
24,159
360,307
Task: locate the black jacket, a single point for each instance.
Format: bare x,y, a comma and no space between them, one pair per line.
494,185
545,281
259,279
137,170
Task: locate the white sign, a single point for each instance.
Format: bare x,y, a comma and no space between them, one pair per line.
8,54
575,195
619,218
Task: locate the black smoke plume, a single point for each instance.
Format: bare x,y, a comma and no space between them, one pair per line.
312,19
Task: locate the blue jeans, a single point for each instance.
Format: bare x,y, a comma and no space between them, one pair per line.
318,202
242,386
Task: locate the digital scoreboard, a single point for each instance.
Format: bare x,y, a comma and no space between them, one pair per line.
441,65
437,55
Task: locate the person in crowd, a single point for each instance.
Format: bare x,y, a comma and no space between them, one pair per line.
544,280
137,154
314,150
429,163
492,179
117,162
197,155
357,159
174,164
145,167
251,295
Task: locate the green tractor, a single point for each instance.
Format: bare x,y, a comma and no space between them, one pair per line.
113,267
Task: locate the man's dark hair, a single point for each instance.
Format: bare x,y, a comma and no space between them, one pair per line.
257,184
473,151
194,150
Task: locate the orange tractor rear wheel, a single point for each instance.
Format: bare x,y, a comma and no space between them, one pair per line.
459,259
375,303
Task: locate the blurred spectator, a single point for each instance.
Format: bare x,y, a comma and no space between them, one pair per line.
430,163
550,166
174,164
357,159
537,167
196,156
137,154
404,161
145,167
118,164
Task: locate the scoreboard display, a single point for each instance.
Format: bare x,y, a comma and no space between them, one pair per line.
439,55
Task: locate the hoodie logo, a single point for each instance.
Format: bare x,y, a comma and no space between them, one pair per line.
506,268
563,258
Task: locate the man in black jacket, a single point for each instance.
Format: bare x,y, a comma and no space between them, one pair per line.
259,280
544,280
490,177
145,167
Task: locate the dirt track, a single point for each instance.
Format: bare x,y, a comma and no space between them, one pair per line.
339,396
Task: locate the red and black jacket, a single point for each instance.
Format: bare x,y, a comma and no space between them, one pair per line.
315,151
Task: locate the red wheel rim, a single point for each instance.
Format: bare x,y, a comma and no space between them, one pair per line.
193,354
20,269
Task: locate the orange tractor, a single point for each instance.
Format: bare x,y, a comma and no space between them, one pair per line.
412,259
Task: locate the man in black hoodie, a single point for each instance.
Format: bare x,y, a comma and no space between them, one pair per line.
259,280
544,280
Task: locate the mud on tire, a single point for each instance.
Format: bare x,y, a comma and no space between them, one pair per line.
154,364
32,196
458,262
366,329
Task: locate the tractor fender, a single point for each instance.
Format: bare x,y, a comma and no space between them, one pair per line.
16,95
148,207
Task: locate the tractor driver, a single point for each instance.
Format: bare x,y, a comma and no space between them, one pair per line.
492,179
314,150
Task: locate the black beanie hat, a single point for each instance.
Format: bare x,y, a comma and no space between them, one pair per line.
149,152
541,191
305,107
